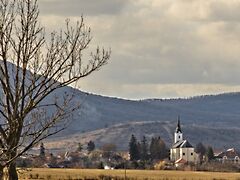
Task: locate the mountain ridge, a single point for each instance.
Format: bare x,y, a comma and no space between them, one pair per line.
211,119
97,112
214,109
219,138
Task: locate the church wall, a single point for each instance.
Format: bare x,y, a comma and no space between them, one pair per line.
172,154
188,154
175,154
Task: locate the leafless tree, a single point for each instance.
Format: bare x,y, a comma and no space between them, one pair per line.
31,68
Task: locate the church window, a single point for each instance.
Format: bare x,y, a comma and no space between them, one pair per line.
191,154
224,158
236,159
183,154
179,137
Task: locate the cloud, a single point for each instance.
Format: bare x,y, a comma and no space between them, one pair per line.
157,43
79,7
223,10
138,91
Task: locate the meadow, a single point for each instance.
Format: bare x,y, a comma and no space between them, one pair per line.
92,174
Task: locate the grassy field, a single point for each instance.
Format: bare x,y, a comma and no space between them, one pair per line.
76,174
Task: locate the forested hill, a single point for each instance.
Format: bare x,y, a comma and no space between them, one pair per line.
206,113
219,138
97,112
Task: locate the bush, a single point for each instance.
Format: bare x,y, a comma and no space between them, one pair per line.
160,165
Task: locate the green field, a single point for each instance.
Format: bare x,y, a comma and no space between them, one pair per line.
67,174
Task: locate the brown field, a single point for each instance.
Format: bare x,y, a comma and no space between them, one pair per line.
67,174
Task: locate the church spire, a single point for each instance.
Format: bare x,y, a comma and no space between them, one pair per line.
178,135
178,128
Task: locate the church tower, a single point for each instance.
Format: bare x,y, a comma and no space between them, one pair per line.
182,151
178,135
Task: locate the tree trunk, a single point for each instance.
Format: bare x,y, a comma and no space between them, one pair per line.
12,171
1,172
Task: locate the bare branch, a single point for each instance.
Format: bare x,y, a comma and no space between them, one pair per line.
31,69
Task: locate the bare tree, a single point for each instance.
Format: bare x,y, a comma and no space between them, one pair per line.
32,68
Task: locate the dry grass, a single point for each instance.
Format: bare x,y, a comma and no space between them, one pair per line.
44,173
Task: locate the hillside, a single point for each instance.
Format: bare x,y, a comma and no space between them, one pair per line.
211,119
97,112
220,138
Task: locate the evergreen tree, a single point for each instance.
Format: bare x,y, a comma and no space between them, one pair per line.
134,149
100,165
158,149
144,149
90,146
163,151
201,150
152,148
80,147
209,153
42,150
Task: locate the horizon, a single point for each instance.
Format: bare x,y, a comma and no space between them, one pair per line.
160,49
159,98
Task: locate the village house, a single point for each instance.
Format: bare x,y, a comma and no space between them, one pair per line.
230,155
182,151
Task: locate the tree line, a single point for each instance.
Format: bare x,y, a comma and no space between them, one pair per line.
205,153
144,151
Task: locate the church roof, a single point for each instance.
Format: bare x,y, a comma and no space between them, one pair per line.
177,144
182,144
186,144
178,128
181,160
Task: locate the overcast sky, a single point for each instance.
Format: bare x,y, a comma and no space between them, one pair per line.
160,48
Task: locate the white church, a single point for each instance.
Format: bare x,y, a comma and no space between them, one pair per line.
182,151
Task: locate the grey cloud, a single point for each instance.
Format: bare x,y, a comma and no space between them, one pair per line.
188,59
151,47
79,7
225,10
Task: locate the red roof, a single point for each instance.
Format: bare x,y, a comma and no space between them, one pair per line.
181,161
230,153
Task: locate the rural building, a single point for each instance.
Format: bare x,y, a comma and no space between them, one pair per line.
230,155
182,151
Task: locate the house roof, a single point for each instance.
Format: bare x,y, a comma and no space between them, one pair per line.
181,160
230,153
182,144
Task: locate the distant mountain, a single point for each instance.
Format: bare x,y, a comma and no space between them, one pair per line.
219,138
213,120
97,112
